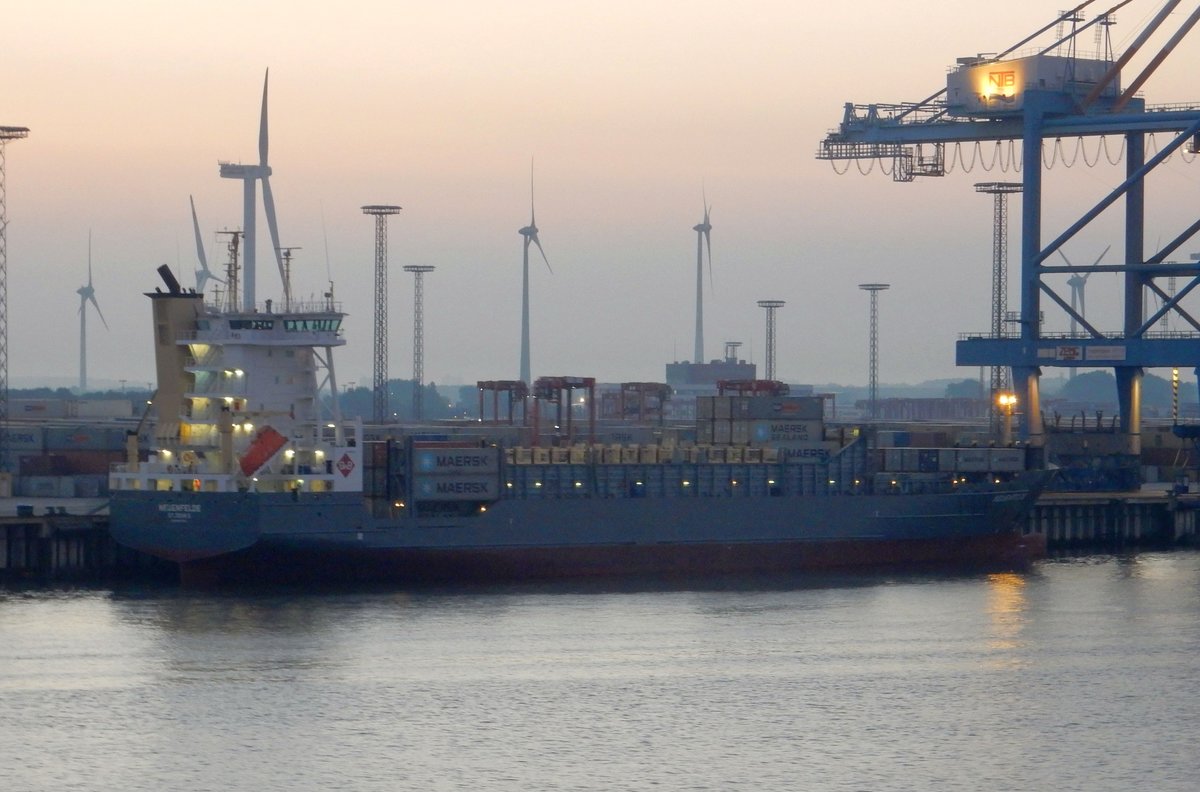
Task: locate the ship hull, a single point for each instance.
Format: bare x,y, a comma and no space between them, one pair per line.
248,537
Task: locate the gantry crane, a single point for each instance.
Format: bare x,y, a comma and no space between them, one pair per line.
1048,96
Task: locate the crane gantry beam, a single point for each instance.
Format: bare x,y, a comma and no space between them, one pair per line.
1030,100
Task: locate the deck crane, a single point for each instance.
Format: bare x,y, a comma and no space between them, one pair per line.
1031,99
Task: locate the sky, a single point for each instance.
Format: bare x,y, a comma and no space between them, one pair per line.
631,113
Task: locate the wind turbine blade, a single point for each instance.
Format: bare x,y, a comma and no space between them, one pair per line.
199,239
269,205
1064,257
537,242
532,215
1102,254
262,125
99,313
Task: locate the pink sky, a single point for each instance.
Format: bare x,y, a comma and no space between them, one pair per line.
628,108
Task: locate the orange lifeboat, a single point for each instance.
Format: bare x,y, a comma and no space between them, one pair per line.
264,446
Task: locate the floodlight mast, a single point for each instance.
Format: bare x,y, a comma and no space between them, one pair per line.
7,133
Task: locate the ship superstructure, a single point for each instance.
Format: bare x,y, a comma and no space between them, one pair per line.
238,400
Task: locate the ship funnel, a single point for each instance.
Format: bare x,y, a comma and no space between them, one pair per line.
173,287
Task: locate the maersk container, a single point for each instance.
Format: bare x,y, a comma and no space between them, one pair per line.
776,432
24,438
1007,460
973,460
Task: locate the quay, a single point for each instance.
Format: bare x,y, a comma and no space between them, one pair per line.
51,541
66,540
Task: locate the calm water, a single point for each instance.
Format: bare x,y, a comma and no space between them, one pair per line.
1081,675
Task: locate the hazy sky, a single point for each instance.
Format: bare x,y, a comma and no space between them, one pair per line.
628,109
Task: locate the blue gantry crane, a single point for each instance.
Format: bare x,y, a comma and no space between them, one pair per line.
1032,102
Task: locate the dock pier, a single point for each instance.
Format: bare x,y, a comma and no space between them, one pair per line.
66,540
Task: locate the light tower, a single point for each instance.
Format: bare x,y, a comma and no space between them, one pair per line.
873,354
380,382
7,133
999,192
418,271
771,306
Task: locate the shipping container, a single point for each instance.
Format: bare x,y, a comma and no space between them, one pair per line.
722,408
448,459
100,408
24,438
972,460
740,433
45,487
704,408
37,408
1007,460
704,432
776,432
785,408
457,488
43,465
722,432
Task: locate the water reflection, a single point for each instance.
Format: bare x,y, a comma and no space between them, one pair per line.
1007,608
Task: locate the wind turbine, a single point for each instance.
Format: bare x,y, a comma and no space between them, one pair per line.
530,232
86,294
703,239
204,274
250,176
1077,283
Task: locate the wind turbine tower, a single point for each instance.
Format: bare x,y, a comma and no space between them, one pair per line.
999,192
530,232
86,294
7,133
873,346
250,175
771,306
1077,283
703,239
418,271
379,384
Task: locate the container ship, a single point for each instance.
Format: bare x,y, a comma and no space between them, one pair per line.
248,481
253,475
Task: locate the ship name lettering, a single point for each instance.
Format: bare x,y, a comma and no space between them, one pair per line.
179,508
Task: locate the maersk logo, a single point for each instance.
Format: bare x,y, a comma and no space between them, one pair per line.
452,488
